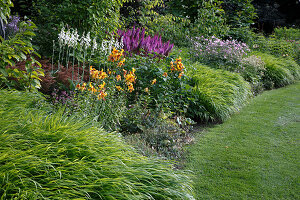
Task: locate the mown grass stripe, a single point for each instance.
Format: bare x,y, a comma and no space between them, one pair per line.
253,155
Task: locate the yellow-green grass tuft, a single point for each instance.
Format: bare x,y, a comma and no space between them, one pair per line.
218,93
279,71
45,156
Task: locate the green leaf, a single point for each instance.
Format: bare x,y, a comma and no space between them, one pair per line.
4,72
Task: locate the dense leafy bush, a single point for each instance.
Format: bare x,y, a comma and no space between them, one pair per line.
170,27
216,93
210,19
99,17
207,17
243,34
18,47
279,71
239,13
58,157
277,47
287,33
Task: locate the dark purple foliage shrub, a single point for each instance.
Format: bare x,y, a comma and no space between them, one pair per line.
136,42
62,97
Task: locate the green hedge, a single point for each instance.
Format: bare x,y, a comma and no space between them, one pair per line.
279,71
216,93
52,156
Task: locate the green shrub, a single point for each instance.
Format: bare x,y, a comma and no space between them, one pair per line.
207,17
279,71
239,13
287,33
172,28
56,157
216,93
210,19
99,17
277,47
243,34
5,9
15,49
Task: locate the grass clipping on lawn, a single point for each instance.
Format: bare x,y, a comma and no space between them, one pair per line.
51,156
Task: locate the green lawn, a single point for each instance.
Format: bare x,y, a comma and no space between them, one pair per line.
253,155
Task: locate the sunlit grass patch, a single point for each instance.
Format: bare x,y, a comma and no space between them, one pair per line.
53,156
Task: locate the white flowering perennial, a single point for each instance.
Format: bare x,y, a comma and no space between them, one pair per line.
95,45
61,37
74,39
108,45
71,44
86,41
68,38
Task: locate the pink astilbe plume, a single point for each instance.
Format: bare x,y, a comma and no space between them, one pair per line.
135,42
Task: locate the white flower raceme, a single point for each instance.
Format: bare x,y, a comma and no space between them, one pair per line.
67,40
82,41
87,41
74,39
95,45
61,37
108,45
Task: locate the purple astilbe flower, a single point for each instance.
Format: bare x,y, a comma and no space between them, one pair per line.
135,42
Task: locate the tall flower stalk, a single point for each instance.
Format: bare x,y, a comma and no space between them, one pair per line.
136,42
82,48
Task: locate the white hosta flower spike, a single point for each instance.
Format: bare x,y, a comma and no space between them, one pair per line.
82,41
67,38
95,45
61,37
87,40
74,39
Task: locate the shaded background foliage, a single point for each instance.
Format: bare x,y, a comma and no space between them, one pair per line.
195,17
99,17
273,13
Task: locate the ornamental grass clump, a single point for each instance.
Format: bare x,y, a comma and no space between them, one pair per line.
279,71
226,54
136,42
216,93
54,156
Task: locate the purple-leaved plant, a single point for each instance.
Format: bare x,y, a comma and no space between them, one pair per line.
136,42
62,97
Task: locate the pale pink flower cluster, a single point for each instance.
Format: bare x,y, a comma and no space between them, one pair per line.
216,50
